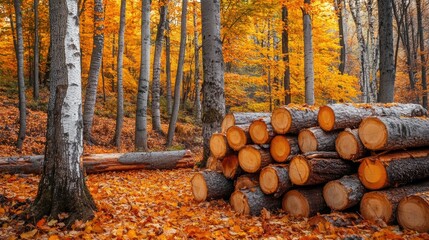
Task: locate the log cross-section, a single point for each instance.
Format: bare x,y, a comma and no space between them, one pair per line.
219,145
253,158
291,119
240,118
252,201
261,131
343,193
274,179
283,147
238,136
210,185
315,139
413,212
304,202
349,145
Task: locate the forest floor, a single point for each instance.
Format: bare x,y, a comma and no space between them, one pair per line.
149,203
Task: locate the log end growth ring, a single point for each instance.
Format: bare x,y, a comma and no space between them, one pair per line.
372,174
346,145
259,132
295,204
335,196
373,133
268,180
228,121
299,171
413,213
236,137
239,203
280,148
249,159
375,206
281,120
326,118
218,145
199,187
307,141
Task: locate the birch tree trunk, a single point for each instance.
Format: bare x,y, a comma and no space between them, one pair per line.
94,70
142,94
213,67
308,55
179,75
156,113
422,53
285,52
36,51
20,67
62,186
168,67
119,87
197,102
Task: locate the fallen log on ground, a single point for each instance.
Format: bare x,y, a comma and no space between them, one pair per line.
252,201
291,119
261,131
393,169
304,202
282,147
210,185
274,179
413,212
343,193
239,118
349,145
97,163
315,139
347,115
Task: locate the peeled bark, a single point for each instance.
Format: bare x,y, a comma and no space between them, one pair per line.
291,119
230,166
253,158
260,131
343,193
304,202
315,139
252,201
282,148
238,136
389,133
349,146
240,118
413,212
304,171
210,185
393,169
383,204
219,145
274,179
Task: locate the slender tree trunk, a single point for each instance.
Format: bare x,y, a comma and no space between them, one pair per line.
308,55
156,113
213,67
269,80
422,53
142,95
62,186
94,70
387,68
179,75
36,51
168,67
20,67
197,102
119,87
285,52
339,7
113,61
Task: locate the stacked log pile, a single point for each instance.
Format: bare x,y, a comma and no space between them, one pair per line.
307,160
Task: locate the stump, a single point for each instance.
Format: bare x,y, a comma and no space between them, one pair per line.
230,166
349,146
253,158
210,185
274,179
260,131
315,139
248,202
238,136
240,118
282,147
219,145
413,212
291,119
304,202
343,193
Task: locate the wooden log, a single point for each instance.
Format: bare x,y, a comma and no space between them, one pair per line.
413,212
253,158
304,202
238,136
246,181
320,154
347,115
230,167
393,169
209,185
274,179
251,202
291,119
384,203
214,164
261,131
219,147
240,118
304,171
315,139
388,133
96,163
343,193
282,147
349,146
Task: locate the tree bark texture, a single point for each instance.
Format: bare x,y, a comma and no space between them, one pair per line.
413,212
94,70
305,202
315,139
291,119
343,193
274,179
422,53
36,59
240,118
197,76
252,201
285,52
168,67
211,185
213,66
308,54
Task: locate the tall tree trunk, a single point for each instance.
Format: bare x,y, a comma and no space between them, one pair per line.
269,81
36,51
179,75
142,95
168,67
94,70
373,58
62,186
119,87
156,114
422,53
387,67
339,7
20,67
197,102
285,52
308,55
213,67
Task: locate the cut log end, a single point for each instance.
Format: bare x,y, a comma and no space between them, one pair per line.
326,118
373,133
227,122
240,203
199,187
307,141
346,145
413,213
375,206
268,180
335,195
299,170
236,137
249,159
295,204
230,166
281,120
259,132
280,148
218,145
373,174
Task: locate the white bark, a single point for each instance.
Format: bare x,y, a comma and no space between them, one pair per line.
308,56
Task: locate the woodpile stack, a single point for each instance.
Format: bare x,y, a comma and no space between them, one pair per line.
309,160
